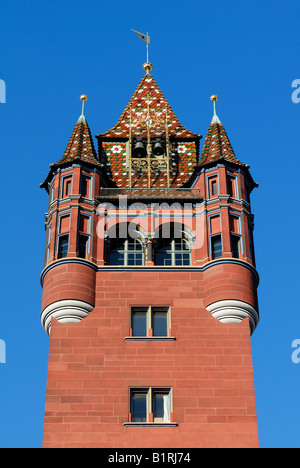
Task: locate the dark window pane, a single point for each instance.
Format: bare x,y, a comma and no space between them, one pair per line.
68,187
82,246
214,187
216,247
158,406
139,322
160,322
63,246
235,240
139,407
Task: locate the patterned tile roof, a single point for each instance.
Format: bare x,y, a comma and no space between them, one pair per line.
217,146
148,89
80,148
80,145
112,146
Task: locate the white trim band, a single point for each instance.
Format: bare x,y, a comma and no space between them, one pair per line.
232,311
66,311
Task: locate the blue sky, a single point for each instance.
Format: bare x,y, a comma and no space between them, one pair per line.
246,52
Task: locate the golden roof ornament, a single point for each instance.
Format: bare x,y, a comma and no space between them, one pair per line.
215,118
148,67
83,98
145,37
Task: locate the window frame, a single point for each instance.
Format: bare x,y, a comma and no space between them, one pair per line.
66,182
210,180
86,179
126,251
232,186
172,251
212,239
86,237
59,249
150,310
150,416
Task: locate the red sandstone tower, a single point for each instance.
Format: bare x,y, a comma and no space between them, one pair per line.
149,285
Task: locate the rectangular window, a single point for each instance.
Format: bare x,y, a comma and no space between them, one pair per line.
150,321
252,253
82,245
139,316
235,246
159,321
139,406
216,246
213,186
215,224
52,193
84,224
150,405
48,240
63,246
66,186
235,224
161,405
232,186
85,186
64,224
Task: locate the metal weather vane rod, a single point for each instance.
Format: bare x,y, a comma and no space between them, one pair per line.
146,38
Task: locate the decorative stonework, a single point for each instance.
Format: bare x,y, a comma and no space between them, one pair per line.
232,311
66,311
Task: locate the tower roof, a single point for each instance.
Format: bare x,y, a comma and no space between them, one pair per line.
147,91
217,145
80,148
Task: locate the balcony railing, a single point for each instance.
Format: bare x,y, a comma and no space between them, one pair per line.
192,194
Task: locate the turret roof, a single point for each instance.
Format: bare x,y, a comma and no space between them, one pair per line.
80,148
136,109
217,145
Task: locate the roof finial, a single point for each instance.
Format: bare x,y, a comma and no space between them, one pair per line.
83,98
215,118
145,37
82,118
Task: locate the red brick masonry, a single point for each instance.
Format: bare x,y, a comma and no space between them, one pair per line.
208,365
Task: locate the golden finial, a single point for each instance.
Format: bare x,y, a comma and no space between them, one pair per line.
147,67
214,99
83,98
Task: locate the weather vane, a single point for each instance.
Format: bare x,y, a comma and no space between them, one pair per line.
145,37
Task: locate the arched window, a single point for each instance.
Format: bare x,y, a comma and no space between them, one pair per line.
126,252
173,252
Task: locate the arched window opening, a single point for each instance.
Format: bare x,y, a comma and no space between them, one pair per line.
129,252
173,252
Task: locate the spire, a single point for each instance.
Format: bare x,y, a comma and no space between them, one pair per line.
215,118
80,146
147,91
217,145
82,118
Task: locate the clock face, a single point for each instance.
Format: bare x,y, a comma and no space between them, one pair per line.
148,122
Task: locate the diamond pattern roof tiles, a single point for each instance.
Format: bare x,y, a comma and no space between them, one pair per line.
80,146
217,146
148,89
